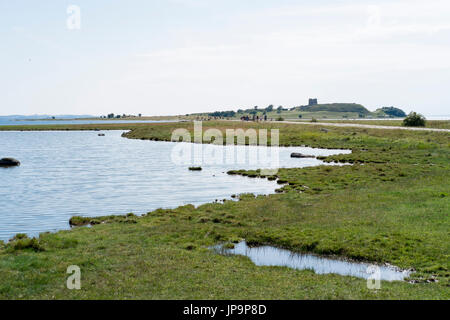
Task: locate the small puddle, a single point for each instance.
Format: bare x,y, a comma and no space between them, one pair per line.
272,256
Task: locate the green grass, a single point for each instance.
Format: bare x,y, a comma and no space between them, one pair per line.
336,107
391,206
436,124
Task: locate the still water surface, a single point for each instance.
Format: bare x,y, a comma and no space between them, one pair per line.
272,256
63,174
14,122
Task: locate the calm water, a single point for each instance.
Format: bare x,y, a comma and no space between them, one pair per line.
12,122
79,173
271,256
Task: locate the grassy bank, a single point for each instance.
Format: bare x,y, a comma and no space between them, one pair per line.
391,206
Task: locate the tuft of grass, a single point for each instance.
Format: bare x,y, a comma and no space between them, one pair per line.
22,242
79,221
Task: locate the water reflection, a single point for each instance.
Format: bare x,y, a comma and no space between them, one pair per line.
272,256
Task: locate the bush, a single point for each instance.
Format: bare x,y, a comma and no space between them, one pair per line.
313,120
280,119
414,120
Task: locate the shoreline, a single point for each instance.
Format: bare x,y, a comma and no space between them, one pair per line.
229,171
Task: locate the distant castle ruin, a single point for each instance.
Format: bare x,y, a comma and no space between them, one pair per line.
312,102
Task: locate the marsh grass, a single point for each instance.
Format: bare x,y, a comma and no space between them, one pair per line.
21,242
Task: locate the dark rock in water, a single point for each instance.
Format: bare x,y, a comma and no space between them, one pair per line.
301,155
101,134
9,162
195,168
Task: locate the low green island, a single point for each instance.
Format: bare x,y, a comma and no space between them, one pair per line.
313,110
391,205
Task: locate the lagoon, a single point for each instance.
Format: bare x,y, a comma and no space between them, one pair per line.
69,173
24,122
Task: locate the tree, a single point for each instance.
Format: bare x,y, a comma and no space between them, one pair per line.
224,114
279,109
414,120
300,116
269,108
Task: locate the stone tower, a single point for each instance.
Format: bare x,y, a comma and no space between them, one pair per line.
312,102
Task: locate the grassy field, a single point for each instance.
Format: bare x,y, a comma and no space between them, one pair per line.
293,115
437,124
323,117
391,206
132,118
286,114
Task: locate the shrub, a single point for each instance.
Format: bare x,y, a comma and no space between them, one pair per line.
414,120
313,120
280,119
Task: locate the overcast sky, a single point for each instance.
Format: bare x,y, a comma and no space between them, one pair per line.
160,57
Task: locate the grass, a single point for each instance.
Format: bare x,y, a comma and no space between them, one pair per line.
436,124
391,206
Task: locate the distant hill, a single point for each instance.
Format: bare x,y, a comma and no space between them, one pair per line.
313,110
336,107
